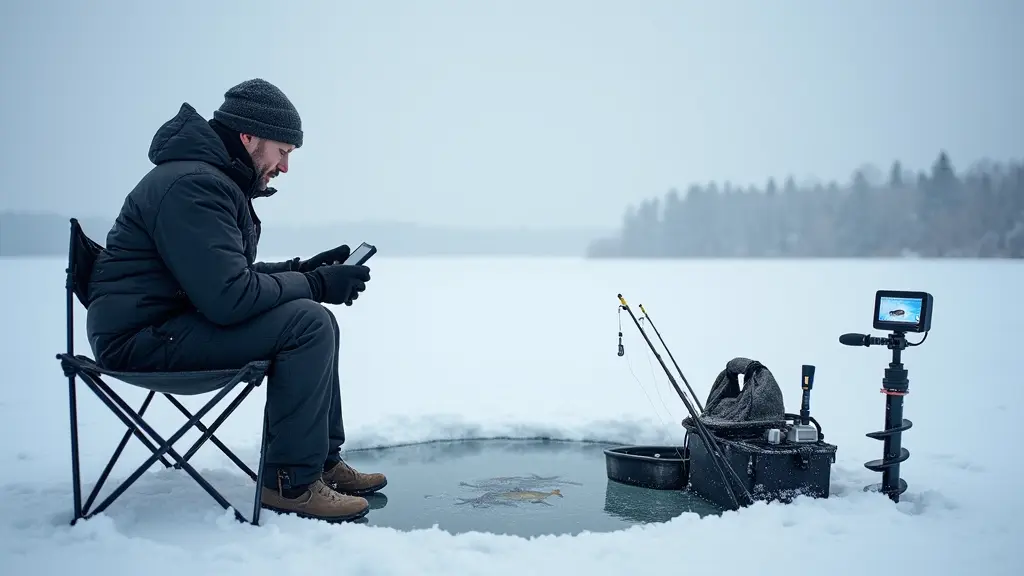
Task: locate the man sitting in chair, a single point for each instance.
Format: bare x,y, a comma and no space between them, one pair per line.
177,288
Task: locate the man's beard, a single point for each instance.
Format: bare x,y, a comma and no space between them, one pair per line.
262,166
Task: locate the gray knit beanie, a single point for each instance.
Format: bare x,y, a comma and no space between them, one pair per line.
259,108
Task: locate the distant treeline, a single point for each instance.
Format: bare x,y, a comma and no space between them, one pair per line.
977,214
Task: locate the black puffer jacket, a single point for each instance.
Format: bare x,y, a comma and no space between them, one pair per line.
185,240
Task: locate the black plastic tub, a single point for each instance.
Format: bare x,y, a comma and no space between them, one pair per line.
657,467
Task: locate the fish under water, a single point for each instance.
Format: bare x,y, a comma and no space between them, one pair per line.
510,497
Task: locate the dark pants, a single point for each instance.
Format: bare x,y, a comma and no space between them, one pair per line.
301,338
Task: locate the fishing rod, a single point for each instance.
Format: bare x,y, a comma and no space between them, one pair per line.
705,436
672,358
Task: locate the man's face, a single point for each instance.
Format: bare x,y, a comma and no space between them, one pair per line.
268,156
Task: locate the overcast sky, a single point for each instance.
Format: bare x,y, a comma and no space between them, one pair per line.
526,112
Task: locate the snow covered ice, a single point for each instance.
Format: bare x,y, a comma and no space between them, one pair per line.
474,348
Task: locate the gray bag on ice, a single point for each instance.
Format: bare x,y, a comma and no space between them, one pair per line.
758,406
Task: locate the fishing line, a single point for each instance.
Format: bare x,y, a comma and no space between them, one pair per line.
654,377
648,396
666,428
693,395
622,352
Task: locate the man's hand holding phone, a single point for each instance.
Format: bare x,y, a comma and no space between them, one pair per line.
338,283
341,283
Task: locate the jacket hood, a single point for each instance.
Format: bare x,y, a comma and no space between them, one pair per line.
189,137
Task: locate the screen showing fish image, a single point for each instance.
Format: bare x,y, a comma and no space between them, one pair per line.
902,310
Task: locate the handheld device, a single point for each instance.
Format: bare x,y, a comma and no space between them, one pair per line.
901,311
360,255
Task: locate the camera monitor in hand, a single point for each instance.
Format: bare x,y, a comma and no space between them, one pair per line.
360,255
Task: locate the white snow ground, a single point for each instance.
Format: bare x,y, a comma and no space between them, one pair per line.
456,348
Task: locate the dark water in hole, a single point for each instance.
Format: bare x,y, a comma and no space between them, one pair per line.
464,486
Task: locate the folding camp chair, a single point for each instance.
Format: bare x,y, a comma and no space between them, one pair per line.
82,255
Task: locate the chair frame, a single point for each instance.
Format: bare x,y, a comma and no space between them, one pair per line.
84,368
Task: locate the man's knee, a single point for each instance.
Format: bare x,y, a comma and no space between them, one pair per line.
311,319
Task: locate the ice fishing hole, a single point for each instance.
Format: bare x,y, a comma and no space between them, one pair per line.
517,487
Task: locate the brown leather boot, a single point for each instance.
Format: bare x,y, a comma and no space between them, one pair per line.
348,480
319,502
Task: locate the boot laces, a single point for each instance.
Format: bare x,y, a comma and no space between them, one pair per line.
326,491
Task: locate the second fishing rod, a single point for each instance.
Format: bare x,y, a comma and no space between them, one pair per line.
709,441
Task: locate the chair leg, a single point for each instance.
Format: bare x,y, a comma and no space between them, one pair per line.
130,418
257,501
76,480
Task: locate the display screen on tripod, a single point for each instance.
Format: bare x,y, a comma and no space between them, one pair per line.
902,311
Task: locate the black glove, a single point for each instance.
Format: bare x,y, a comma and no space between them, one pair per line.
332,256
337,283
